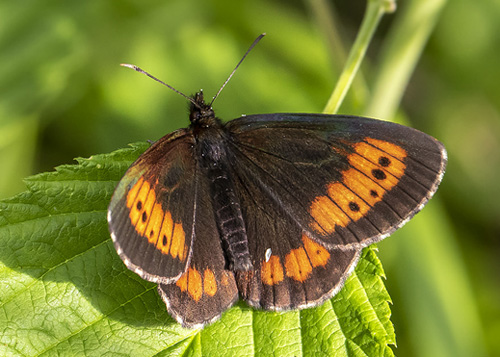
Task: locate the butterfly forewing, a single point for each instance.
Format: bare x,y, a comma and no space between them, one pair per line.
152,210
346,181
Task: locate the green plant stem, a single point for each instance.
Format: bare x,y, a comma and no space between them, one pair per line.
374,11
400,55
446,322
328,22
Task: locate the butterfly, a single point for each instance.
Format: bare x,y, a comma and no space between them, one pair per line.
272,208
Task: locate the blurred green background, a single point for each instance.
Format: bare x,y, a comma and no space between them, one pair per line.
63,95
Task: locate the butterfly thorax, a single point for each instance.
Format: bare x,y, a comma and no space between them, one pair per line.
211,150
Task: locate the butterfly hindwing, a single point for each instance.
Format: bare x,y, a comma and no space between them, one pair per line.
206,288
152,210
291,270
346,181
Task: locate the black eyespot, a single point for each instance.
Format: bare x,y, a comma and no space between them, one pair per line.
379,174
384,161
353,206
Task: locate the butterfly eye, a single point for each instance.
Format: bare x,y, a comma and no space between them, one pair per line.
194,116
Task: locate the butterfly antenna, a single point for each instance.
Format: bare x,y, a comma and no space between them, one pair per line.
135,68
235,68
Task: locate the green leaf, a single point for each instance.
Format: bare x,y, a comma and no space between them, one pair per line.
64,290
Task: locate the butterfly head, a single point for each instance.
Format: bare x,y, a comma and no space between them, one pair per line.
201,114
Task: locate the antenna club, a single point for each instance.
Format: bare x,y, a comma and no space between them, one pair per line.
132,66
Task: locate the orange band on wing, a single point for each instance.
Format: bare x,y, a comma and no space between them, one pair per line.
152,222
271,271
225,278
364,187
390,148
178,247
196,284
327,214
376,166
350,203
318,255
165,237
297,265
191,282
209,282
154,226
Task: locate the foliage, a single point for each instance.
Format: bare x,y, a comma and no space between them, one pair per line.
64,289
64,96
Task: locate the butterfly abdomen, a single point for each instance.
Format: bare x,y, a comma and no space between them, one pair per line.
226,205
